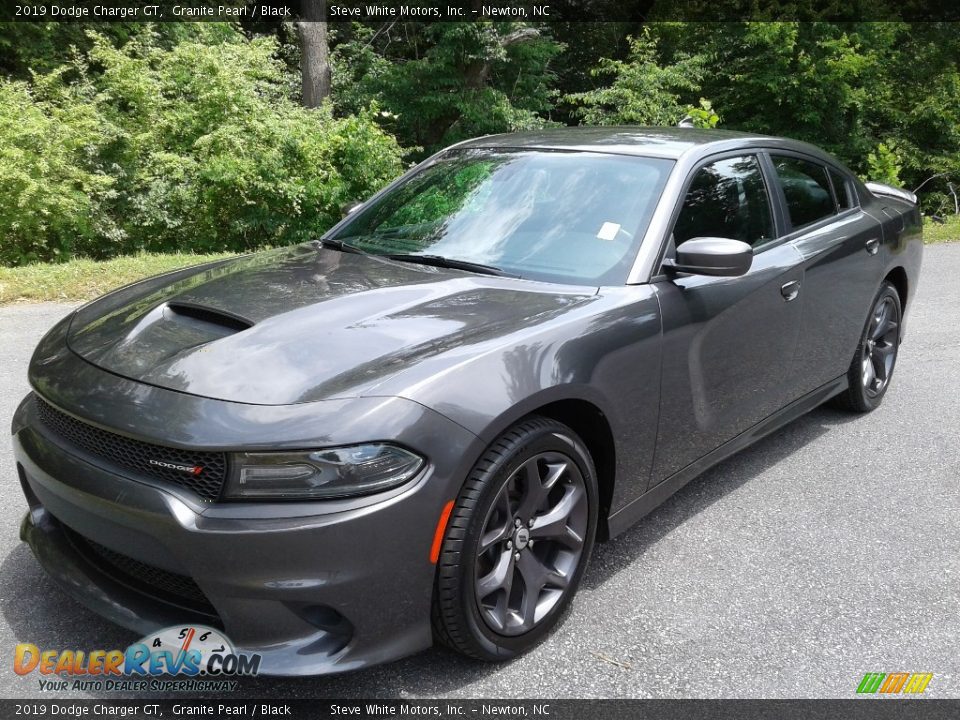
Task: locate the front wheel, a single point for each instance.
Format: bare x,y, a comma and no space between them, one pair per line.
518,540
873,363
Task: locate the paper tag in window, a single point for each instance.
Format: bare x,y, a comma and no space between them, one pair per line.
608,231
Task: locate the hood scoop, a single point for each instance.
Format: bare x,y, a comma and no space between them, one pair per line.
163,333
213,320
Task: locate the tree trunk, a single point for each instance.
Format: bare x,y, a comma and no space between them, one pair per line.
476,76
314,53
477,73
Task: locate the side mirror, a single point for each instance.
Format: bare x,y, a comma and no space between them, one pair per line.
712,256
350,207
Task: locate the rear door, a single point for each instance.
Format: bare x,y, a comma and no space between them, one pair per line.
839,244
728,342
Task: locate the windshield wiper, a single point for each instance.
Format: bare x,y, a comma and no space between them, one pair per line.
344,247
446,262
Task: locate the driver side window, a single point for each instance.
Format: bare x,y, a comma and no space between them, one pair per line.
727,199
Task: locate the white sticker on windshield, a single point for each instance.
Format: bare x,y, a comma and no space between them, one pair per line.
608,231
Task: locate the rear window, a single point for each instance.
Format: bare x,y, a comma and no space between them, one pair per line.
807,190
842,189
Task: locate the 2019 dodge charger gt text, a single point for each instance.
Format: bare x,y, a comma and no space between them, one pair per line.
417,426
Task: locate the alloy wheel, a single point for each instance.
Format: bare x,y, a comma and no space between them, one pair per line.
531,543
880,347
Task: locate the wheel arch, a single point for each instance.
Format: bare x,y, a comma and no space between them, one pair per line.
898,278
590,423
588,420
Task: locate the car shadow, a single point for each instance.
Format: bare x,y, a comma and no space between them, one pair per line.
704,490
38,612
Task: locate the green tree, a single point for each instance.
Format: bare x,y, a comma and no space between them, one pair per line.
54,192
448,81
883,164
197,147
847,87
644,90
41,47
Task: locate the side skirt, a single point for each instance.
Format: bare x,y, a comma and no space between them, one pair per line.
626,516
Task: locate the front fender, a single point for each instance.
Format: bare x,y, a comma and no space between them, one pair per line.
606,353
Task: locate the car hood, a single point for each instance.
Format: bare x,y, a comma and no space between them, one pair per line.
303,323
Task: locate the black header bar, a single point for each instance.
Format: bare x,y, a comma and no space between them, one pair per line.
467,10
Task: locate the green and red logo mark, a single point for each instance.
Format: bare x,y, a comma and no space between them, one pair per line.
895,683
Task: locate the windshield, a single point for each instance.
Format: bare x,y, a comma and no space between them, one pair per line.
572,217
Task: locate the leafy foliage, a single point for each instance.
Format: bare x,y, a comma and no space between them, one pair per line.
54,187
643,90
200,146
120,137
703,115
884,164
848,87
448,81
40,47
884,97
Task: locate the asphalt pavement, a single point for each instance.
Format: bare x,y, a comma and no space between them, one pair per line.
828,550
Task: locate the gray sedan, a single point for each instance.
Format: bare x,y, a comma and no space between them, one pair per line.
416,427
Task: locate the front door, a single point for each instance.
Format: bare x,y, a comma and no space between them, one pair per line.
728,342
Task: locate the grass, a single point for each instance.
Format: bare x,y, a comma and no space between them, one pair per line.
949,231
80,280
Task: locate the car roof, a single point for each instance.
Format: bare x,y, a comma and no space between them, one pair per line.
662,142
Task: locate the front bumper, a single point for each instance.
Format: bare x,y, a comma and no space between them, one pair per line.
312,587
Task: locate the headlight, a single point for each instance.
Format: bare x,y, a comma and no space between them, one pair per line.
335,472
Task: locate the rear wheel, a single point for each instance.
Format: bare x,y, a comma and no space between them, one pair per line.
517,542
873,363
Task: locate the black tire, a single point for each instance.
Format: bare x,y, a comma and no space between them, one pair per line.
498,492
876,354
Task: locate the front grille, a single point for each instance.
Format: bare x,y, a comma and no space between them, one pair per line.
163,580
156,582
137,455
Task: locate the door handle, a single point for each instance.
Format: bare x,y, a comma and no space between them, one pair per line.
790,290
873,245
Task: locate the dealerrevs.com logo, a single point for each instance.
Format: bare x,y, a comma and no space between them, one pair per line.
197,657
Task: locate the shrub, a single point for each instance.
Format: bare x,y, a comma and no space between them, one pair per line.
883,165
197,148
54,195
